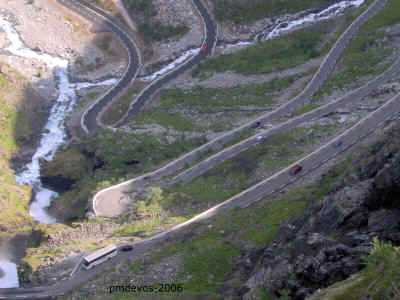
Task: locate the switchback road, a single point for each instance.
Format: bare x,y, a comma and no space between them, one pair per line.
90,118
210,32
261,190
106,202
248,197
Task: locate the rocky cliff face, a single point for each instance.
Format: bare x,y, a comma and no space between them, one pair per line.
331,241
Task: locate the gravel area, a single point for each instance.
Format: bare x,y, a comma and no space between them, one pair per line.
174,13
47,26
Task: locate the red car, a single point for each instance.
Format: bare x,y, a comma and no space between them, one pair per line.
204,47
296,169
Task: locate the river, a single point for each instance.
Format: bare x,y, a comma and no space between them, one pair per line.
54,133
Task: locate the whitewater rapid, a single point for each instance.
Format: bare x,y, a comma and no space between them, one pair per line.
54,133
280,28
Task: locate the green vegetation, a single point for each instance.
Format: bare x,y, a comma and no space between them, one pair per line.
149,29
107,154
281,53
14,199
157,32
230,234
120,106
166,119
366,53
305,108
209,100
246,168
74,25
380,280
249,11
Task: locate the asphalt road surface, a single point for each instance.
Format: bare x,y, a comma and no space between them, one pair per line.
261,190
248,197
210,40
110,202
89,119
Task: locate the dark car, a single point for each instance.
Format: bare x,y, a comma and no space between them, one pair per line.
255,125
296,169
337,144
126,248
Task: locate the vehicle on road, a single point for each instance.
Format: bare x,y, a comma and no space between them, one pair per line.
255,125
260,138
99,256
296,169
126,248
204,47
337,144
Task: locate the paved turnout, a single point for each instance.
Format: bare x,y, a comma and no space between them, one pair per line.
261,190
247,197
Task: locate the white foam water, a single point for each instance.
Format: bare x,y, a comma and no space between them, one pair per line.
172,65
328,13
54,133
282,27
10,278
287,26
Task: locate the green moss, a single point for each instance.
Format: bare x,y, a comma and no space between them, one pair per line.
242,171
167,120
150,29
208,100
249,11
120,106
14,198
366,53
111,151
264,57
380,280
70,164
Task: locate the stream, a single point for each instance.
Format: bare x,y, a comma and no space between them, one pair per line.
52,138
54,133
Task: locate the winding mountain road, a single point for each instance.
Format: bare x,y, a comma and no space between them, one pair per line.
210,39
267,187
90,118
107,202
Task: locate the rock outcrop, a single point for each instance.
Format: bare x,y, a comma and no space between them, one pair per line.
331,241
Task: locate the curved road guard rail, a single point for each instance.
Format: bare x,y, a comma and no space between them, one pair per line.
89,118
269,186
229,152
210,38
118,191
349,138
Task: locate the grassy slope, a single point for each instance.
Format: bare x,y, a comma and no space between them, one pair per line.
149,29
281,53
379,280
113,149
226,238
219,107
180,202
249,11
14,199
366,53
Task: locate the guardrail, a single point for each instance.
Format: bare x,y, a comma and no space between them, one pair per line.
325,69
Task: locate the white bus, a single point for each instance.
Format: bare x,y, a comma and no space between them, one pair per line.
99,256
